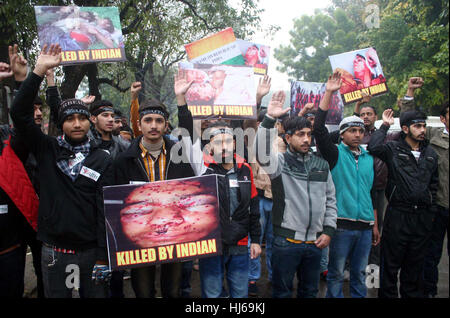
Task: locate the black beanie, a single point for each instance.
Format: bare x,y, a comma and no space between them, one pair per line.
37,100
71,106
411,117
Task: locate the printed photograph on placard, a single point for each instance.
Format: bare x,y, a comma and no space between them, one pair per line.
226,91
303,93
361,71
164,221
256,55
85,34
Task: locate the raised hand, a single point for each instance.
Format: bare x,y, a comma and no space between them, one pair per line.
181,86
334,82
5,71
135,89
88,99
263,88
366,98
275,107
415,82
50,57
308,107
388,117
18,63
50,77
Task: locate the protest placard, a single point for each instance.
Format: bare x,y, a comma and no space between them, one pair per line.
85,34
255,55
303,93
361,72
219,48
226,91
162,222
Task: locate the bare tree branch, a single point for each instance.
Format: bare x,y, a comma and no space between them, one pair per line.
110,82
194,11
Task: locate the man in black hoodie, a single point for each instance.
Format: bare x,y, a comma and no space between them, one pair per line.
72,173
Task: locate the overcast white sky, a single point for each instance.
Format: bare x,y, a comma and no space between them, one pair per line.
282,13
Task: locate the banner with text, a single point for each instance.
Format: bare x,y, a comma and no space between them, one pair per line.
360,71
162,222
85,34
303,93
226,91
255,55
219,48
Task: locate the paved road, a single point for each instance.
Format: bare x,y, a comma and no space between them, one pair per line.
264,285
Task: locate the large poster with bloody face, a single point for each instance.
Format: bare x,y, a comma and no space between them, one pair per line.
162,222
361,72
220,91
85,34
303,93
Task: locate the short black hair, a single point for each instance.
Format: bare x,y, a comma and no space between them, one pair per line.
444,109
368,106
219,123
296,123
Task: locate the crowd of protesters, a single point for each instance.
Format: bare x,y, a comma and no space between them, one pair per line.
322,202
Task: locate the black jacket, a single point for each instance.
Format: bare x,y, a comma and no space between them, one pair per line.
245,219
128,165
411,183
70,213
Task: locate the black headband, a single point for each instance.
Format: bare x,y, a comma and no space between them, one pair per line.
102,109
219,131
153,111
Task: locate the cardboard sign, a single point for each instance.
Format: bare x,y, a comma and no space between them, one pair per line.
162,222
360,71
85,34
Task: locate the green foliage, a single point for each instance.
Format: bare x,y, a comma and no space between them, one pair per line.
412,40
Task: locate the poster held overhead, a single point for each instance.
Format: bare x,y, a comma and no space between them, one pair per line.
220,91
360,71
85,34
303,93
256,55
219,48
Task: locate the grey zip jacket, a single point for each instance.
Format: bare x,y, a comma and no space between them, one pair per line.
304,200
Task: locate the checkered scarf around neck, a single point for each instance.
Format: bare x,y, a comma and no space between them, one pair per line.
63,164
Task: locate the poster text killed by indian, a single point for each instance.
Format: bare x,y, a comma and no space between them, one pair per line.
161,222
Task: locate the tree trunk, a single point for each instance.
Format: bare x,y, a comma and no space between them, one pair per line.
73,75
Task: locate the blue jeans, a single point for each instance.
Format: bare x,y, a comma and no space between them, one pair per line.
265,219
431,272
291,258
324,259
212,271
354,245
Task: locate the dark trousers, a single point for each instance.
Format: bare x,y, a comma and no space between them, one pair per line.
11,274
29,239
143,280
116,284
404,243
186,274
374,256
431,272
61,271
